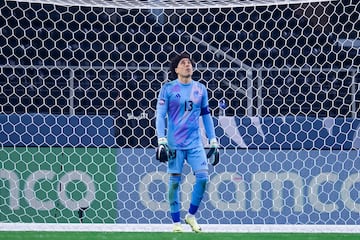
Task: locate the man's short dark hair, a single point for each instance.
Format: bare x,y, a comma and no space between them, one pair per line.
174,62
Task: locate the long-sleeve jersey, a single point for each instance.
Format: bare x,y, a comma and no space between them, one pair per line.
182,105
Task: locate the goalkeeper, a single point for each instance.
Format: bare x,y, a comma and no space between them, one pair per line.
182,102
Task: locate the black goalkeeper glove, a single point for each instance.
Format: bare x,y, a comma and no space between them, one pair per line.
162,152
213,154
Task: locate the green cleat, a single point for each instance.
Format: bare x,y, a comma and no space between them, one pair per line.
190,219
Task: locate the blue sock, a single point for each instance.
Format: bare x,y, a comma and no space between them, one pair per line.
198,192
174,186
175,217
193,209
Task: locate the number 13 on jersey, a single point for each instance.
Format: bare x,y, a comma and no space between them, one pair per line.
188,105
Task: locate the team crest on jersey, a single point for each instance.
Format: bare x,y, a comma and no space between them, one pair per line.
197,93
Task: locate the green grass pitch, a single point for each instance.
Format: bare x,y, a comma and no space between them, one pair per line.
172,236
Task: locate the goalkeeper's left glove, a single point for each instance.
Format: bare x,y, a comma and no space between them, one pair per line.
162,152
213,154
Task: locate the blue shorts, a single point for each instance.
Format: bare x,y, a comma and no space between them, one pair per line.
195,157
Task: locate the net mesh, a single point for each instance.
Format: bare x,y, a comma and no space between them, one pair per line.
78,88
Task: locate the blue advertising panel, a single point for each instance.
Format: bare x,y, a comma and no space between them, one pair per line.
248,187
290,132
56,130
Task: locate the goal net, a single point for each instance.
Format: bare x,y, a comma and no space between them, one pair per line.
78,88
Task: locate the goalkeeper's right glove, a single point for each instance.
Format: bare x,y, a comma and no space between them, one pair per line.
213,155
162,152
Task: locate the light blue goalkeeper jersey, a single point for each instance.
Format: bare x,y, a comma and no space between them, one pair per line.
183,104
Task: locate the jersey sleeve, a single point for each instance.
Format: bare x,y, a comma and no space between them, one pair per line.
206,116
209,126
161,111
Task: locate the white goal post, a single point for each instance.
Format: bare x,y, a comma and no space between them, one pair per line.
169,4
78,88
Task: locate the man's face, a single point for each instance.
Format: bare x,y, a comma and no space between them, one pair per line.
184,68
